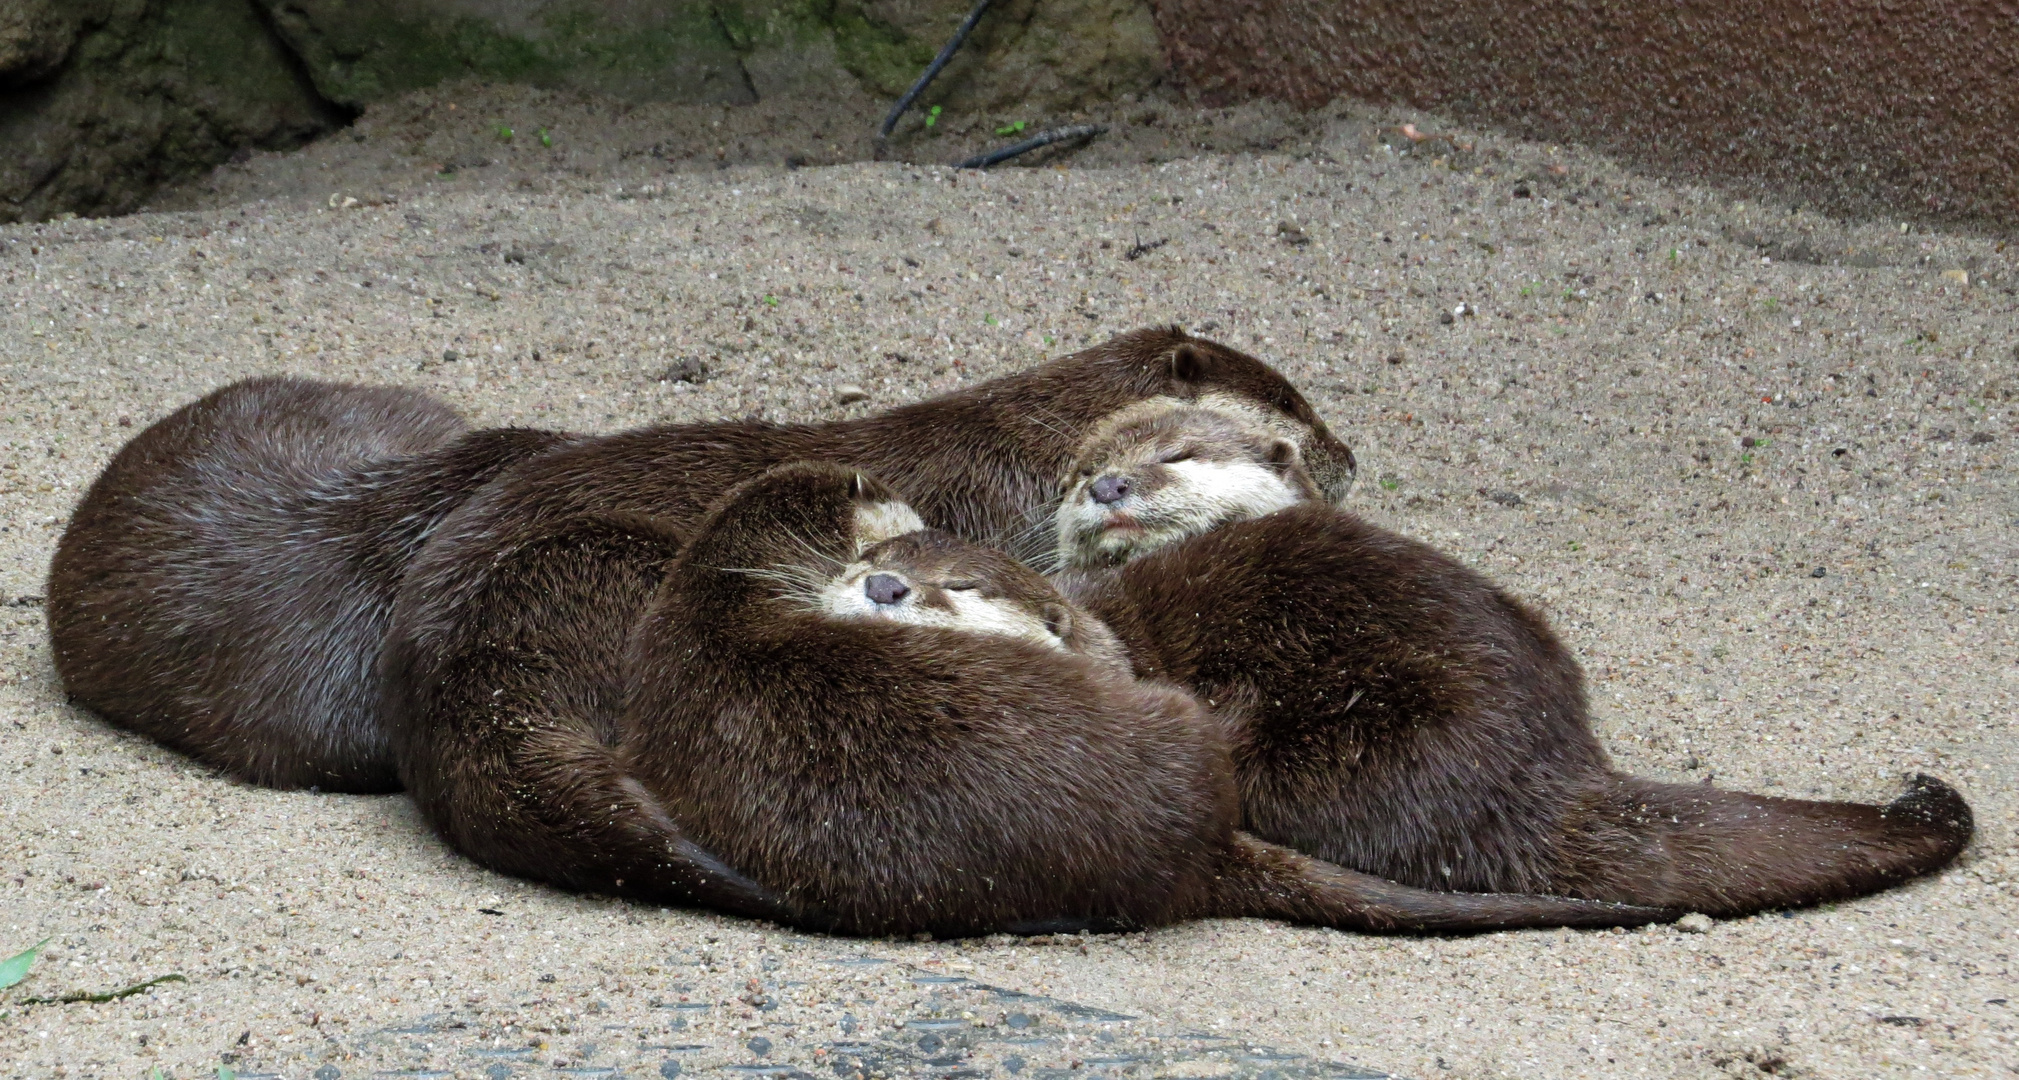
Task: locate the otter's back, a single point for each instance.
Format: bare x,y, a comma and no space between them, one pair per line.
222,586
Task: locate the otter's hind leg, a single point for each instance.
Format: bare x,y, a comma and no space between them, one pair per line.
1731,853
1264,880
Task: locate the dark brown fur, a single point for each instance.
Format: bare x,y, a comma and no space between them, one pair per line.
530,565
1394,712
224,585
885,778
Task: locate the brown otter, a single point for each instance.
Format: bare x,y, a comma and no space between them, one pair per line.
224,585
903,734
292,513
1394,712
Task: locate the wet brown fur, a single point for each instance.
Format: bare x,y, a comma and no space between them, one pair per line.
511,577
1394,712
886,778
224,585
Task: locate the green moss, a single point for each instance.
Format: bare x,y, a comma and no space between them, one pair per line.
884,58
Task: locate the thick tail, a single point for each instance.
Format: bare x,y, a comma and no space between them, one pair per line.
577,819
1732,853
1269,881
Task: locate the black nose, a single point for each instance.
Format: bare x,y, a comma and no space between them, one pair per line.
1109,489
885,588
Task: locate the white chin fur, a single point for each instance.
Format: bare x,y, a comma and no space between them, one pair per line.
1201,496
877,522
972,613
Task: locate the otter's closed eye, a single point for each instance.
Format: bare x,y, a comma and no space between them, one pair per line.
960,586
1172,457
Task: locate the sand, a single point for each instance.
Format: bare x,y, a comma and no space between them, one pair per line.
1658,413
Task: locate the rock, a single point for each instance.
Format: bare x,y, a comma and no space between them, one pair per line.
1505,498
759,1046
1819,572
687,369
1291,234
849,395
668,1069
159,95
1694,923
328,1072
36,36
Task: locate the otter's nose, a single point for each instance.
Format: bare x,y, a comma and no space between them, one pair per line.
1109,489
885,588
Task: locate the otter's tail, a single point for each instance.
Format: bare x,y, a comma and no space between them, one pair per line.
1731,853
1266,880
579,820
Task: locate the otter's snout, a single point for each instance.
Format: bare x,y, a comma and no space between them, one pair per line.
885,589
1109,490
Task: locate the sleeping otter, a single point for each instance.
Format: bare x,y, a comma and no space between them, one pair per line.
224,585
280,516
1394,712
906,733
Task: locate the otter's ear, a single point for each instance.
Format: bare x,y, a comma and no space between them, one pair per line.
1283,455
1059,621
855,486
1190,363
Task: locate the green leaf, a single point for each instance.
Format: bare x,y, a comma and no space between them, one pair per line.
15,968
1010,129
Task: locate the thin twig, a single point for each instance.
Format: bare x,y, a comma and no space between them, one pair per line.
1041,139
932,71
109,995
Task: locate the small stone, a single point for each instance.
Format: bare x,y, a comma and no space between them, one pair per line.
329,1072
127,421
498,1072
1749,442
669,1069
547,978
1819,572
1013,1064
1976,438
931,1043
1505,498
1445,318
1018,1021
1694,923
450,356
1521,191
1693,762
759,1046
687,369
1959,276
1292,234
850,394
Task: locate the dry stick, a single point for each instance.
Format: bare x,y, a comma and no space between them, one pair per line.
100,999
932,71
1041,139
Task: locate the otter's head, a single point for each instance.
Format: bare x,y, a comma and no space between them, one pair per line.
1173,365
841,544
931,578
1158,473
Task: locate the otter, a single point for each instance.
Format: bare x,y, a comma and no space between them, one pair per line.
304,503
1394,712
225,583
908,733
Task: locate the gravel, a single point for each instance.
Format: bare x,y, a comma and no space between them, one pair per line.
1812,615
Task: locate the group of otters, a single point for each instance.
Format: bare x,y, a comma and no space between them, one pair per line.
807,673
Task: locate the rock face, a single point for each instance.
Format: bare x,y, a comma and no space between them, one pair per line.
1862,107
104,100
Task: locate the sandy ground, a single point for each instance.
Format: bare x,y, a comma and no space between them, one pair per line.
1657,412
